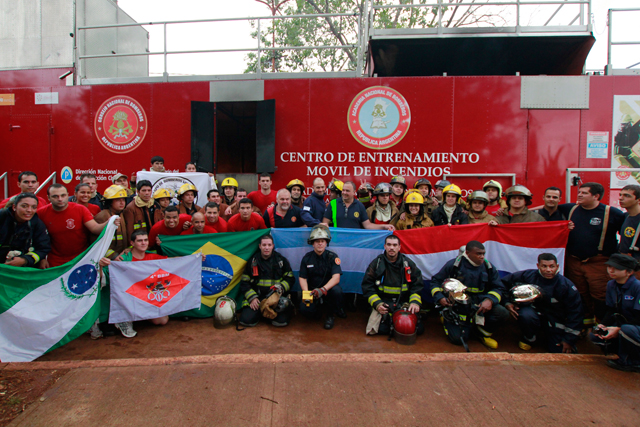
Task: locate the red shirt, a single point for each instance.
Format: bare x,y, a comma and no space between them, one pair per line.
261,201
160,229
67,231
207,230
94,209
491,210
221,226
41,202
237,224
148,257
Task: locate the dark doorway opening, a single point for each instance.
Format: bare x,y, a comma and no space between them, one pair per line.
233,137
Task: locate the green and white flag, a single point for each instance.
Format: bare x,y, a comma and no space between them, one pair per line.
44,309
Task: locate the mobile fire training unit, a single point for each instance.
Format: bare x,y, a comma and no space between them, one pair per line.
511,104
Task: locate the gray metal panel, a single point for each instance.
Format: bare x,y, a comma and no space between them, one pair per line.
248,181
554,92
252,90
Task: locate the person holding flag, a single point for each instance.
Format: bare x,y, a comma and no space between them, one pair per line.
139,244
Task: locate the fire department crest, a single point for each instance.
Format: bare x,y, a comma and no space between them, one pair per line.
379,117
120,124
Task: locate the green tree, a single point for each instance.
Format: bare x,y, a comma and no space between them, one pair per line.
342,31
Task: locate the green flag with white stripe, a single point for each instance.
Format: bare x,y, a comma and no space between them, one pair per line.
44,309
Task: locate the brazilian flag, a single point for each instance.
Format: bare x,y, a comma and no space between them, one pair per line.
226,256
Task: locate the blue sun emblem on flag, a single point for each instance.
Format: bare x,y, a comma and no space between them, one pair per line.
82,279
217,273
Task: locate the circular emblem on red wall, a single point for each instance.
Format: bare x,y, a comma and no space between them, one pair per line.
120,124
379,117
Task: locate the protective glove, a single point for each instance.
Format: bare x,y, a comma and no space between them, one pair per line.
318,293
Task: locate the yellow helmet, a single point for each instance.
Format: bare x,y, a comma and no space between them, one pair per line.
452,188
115,192
187,187
161,193
295,182
414,197
336,186
229,182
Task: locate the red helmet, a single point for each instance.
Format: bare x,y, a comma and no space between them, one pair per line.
405,327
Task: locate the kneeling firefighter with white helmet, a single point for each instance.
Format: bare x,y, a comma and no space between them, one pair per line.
393,286
319,279
265,284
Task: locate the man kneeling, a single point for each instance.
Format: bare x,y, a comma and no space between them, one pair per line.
265,284
140,244
555,316
392,281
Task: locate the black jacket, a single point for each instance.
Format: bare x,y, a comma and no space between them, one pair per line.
439,216
385,281
31,238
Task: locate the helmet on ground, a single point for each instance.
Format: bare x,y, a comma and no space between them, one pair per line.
442,183
405,326
115,192
225,312
494,184
295,182
187,187
453,189
478,195
161,193
319,232
229,182
336,185
422,181
525,293
519,190
414,197
456,291
399,180
382,188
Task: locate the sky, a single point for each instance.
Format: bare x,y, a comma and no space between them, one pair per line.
236,35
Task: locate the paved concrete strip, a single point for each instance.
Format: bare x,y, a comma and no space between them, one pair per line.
310,358
304,393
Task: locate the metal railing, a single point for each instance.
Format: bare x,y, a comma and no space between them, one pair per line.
5,177
571,175
440,7
609,68
366,24
357,47
46,181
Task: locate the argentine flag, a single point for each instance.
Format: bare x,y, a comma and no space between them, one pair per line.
41,310
356,249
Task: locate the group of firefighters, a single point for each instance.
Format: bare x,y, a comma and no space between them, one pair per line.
599,294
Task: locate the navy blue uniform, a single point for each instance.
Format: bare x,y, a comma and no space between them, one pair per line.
458,217
557,313
313,210
346,217
627,234
623,303
482,282
291,219
318,270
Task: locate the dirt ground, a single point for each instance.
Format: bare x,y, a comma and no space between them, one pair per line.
19,389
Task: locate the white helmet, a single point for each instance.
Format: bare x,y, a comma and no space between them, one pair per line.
224,312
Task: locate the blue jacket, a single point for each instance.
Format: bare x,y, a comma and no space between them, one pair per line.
313,210
623,300
560,302
482,281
